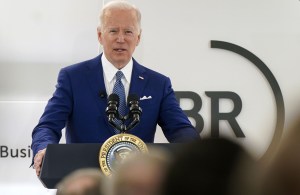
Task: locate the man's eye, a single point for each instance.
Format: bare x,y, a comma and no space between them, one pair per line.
112,31
128,32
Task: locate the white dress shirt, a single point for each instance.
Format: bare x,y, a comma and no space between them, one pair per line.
109,74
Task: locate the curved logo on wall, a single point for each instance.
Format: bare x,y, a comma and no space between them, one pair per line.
216,96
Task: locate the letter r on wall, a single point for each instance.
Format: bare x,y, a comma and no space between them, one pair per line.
216,116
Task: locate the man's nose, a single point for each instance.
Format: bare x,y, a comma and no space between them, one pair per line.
120,38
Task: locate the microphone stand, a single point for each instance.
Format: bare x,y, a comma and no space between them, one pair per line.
134,113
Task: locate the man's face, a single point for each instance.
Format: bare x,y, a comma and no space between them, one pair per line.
119,35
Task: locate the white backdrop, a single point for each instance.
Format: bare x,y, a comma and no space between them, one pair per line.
37,38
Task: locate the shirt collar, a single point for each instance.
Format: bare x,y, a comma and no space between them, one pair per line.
110,70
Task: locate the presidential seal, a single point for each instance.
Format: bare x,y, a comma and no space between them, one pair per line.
116,149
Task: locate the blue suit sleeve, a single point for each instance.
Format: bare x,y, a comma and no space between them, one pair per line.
55,115
173,121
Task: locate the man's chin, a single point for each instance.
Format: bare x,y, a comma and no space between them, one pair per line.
120,62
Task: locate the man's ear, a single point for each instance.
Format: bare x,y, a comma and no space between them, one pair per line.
139,38
99,33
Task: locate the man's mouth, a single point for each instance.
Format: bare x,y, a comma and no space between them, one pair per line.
119,49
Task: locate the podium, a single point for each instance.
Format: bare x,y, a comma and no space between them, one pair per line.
62,159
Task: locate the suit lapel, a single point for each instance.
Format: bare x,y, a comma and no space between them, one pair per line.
139,79
96,83
96,80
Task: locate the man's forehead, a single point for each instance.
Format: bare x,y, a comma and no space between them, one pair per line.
126,27
115,22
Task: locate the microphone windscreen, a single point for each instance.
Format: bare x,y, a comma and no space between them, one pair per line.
132,97
113,97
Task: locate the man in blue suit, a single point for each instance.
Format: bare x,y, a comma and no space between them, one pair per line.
80,99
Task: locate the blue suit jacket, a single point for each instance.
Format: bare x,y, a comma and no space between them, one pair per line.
76,105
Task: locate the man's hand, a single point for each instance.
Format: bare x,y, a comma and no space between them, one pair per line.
38,159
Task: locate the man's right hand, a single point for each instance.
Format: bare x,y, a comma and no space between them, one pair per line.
38,159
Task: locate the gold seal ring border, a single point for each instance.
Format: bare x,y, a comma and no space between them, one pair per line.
110,142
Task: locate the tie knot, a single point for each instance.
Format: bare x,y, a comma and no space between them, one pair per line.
119,75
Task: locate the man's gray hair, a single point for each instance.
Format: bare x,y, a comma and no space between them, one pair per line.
122,5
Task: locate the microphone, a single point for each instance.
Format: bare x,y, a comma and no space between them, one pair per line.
102,94
112,108
134,110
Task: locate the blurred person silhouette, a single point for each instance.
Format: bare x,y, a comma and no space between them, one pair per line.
88,181
283,174
140,174
213,166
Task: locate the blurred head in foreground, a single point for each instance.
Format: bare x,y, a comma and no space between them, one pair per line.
212,166
140,174
81,182
283,175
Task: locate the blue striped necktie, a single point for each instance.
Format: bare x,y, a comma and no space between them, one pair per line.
120,91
